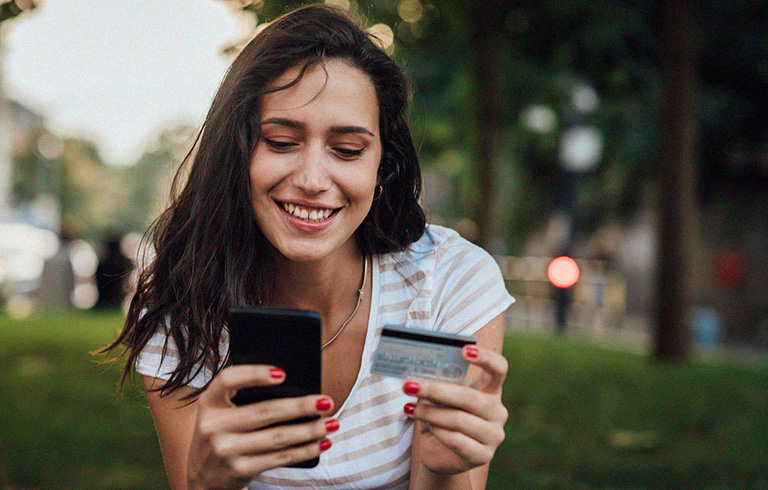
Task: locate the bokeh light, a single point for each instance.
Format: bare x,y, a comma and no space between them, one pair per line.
382,35
410,10
23,251
83,257
563,272
539,118
85,295
342,4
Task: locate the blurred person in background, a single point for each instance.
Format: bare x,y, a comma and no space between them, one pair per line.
112,273
304,178
57,282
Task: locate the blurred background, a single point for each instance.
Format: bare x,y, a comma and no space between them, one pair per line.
612,156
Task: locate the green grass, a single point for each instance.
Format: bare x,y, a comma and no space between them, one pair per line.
581,416
62,424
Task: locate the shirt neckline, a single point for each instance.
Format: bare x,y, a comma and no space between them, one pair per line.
370,333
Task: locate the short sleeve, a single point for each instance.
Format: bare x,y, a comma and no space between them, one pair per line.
159,359
469,290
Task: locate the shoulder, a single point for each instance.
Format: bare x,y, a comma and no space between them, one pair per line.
160,358
437,243
438,257
444,282
447,252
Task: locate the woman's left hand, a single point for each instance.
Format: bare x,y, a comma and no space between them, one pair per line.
460,426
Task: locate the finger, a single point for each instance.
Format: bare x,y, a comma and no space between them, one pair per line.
226,383
256,416
278,437
253,465
489,433
484,405
494,368
467,448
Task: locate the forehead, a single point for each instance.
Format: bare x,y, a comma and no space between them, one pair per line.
335,81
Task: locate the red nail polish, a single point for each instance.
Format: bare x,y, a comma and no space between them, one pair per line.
325,444
472,352
411,387
323,404
277,373
409,408
332,425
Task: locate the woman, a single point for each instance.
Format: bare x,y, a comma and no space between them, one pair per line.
303,190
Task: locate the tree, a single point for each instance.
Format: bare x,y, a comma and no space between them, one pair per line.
477,65
486,41
678,157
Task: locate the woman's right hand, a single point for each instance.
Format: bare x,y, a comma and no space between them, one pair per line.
232,444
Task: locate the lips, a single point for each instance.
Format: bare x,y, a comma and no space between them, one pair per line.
308,214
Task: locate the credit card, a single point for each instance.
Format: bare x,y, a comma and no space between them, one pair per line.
410,352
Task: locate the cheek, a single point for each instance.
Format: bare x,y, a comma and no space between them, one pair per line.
362,187
262,176
255,183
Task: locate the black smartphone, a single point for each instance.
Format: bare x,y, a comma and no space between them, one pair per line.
288,339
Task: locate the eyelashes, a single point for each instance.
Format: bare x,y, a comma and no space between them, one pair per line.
345,153
279,145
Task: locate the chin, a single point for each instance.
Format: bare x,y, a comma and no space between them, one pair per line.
312,252
299,254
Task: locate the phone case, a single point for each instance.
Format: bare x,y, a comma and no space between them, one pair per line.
288,339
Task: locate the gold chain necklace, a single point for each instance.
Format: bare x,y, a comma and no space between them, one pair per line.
360,294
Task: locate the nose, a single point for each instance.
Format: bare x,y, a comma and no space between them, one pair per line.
311,174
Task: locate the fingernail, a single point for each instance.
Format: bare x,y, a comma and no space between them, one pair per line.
323,404
471,352
409,408
325,444
277,373
332,425
411,387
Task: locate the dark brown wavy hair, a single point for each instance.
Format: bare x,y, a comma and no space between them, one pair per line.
210,254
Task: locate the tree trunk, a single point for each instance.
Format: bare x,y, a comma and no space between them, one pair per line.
484,45
678,156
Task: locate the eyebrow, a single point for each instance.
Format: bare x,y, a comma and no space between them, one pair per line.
290,123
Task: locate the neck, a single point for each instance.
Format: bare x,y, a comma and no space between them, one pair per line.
328,286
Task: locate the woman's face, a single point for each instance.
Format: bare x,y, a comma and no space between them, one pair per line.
315,167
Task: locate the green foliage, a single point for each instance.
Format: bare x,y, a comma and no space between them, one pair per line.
541,48
95,197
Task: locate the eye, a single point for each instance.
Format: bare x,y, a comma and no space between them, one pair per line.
279,145
349,153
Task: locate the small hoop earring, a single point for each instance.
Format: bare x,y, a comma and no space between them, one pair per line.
378,191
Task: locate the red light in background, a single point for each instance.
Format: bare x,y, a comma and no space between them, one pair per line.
563,272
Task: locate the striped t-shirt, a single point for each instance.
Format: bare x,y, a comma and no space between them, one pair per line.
441,282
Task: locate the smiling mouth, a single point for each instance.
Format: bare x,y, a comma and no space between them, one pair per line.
310,215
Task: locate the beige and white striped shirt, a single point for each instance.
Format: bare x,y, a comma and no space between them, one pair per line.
441,282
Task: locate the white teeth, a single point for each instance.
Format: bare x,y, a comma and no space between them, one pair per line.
313,215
